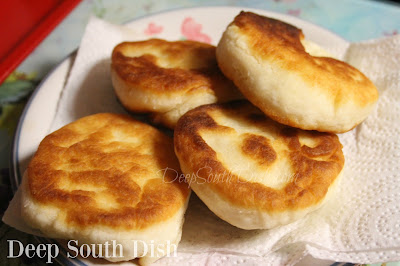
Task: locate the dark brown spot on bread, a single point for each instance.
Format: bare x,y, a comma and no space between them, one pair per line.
259,149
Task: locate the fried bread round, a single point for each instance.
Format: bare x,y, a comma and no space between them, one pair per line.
167,78
282,74
251,171
100,179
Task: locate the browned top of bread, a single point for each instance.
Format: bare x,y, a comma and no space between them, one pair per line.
158,66
254,162
278,42
104,170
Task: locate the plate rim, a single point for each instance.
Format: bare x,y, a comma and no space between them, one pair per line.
14,164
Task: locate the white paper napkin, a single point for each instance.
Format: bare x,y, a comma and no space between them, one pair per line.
361,224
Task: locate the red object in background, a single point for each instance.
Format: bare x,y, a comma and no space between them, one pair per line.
24,24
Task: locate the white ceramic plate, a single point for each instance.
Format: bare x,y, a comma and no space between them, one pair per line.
178,24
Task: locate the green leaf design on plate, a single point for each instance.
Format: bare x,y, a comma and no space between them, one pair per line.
9,116
14,91
98,9
18,75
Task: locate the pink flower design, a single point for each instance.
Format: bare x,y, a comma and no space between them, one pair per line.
394,32
152,29
192,31
294,12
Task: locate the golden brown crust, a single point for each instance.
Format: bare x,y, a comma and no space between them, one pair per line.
161,67
111,158
314,167
279,42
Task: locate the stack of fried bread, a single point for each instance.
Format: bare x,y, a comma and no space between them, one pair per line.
270,166
255,122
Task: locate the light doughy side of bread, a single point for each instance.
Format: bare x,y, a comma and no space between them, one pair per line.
166,109
162,103
314,49
171,117
47,219
250,219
